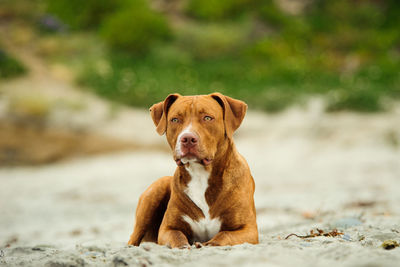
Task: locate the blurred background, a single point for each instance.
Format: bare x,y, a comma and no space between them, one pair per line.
322,135
272,54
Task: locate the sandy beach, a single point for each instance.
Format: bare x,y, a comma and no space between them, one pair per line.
312,170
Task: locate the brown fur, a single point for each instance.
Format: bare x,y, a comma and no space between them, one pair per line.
230,186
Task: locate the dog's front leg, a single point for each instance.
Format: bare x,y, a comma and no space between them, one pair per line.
173,239
230,238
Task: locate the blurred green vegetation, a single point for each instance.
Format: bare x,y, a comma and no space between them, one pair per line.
265,52
134,28
9,66
80,15
218,9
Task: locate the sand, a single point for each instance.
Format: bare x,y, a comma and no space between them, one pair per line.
312,170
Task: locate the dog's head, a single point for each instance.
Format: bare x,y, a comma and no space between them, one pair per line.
196,126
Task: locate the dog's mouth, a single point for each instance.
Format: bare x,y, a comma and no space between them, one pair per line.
192,155
186,160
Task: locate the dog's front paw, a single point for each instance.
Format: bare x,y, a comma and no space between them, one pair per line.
185,246
214,243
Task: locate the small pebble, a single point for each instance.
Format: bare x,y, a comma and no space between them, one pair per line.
346,237
38,249
389,244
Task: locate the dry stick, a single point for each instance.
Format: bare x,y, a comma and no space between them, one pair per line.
333,233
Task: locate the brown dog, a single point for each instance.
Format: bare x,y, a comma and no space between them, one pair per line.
210,197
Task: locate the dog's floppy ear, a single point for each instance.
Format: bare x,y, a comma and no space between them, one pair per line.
159,113
234,112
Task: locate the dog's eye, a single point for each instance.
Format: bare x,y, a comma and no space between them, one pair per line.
175,120
208,118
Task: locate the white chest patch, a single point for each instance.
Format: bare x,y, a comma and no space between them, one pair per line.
205,228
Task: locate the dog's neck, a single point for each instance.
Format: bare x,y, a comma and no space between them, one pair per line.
226,151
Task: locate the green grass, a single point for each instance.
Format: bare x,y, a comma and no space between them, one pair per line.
142,82
9,66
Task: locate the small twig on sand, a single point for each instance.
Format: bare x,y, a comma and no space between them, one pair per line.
320,232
